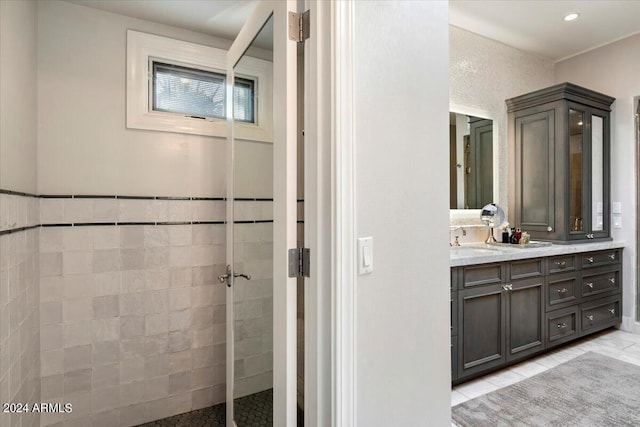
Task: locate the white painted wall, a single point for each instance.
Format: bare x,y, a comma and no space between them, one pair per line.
18,103
483,74
83,145
402,359
613,70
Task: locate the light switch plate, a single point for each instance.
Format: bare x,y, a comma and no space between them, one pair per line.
365,255
617,221
616,208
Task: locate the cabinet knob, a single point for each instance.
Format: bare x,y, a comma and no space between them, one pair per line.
549,229
613,280
612,310
561,264
561,291
562,325
590,259
589,285
589,316
612,257
508,287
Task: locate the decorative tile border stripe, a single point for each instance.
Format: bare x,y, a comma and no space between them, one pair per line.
16,230
16,193
22,210
129,197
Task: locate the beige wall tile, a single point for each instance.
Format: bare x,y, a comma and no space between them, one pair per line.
77,357
106,306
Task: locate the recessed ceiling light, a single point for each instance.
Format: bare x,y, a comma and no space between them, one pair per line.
571,16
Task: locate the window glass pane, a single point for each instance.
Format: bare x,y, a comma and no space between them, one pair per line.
243,100
188,91
199,93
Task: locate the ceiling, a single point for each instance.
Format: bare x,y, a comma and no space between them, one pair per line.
535,26
220,18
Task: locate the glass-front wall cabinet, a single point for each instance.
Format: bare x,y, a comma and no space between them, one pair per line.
561,135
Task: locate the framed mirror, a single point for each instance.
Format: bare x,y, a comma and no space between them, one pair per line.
471,153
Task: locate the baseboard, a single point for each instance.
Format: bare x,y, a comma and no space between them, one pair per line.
630,325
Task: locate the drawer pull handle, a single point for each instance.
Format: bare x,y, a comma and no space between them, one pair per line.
561,291
613,280
589,285
589,316
612,257
612,310
562,325
590,259
561,264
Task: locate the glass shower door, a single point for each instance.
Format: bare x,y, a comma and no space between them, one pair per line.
261,220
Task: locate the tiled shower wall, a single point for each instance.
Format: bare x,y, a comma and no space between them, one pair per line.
131,320
19,307
133,317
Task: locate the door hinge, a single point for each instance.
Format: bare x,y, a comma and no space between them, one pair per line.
299,26
299,262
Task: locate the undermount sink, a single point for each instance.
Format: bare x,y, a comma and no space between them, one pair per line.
478,249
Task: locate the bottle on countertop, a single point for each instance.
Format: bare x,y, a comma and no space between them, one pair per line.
514,238
505,233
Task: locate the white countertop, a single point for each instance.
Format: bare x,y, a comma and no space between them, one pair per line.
481,253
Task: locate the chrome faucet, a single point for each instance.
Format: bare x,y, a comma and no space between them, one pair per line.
456,242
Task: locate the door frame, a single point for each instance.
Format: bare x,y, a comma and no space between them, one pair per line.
284,205
636,112
318,192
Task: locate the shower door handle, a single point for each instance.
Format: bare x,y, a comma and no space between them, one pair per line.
225,277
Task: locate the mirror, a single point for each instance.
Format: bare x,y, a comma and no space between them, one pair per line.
471,161
252,168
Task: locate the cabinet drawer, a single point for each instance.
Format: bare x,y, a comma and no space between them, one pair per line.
600,314
600,281
483,274
526,268
562,291
594,259
562,325
561,264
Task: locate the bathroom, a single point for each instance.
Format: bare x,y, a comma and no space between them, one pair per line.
80,146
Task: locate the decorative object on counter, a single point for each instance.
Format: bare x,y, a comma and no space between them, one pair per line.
505,233
492,216
525,238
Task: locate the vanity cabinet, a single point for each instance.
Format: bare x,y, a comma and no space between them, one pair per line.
499,322
503,312
561,136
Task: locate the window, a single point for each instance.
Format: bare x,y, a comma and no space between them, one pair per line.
199,93
177,86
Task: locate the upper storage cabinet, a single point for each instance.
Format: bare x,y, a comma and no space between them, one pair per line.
561,137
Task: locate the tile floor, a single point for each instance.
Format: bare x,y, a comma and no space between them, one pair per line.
254,410
621,345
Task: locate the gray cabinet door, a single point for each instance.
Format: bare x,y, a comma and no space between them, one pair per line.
481,329
535,172
525,318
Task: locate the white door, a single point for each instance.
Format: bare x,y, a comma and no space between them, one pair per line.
261,218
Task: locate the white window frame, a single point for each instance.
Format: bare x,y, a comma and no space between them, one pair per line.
143,49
